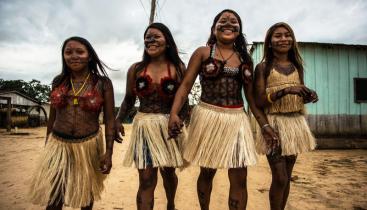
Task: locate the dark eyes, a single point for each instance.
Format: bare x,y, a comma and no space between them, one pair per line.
78,51
280,35
152,36
233,21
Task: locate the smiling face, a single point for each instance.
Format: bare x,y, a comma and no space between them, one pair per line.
155,43
281,40
76,56
227,28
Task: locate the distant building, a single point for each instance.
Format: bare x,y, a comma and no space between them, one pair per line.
338,73
25,111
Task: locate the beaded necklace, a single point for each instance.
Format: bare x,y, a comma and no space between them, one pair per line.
76,93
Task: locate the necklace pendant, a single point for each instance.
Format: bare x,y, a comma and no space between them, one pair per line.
75,101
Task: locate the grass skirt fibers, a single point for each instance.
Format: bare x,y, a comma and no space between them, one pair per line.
149,144
294,132
219,138
69,172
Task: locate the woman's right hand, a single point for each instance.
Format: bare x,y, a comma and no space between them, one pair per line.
271,137
175,125
119,131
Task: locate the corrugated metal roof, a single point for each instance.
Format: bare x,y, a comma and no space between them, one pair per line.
318,43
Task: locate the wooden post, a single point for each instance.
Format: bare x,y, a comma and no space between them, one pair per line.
152,12
8,112
8,116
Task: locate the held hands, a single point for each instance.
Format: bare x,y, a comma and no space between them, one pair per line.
307,94
175,125
271,136
119,131
105,163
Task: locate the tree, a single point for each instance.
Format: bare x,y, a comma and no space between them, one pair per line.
33,89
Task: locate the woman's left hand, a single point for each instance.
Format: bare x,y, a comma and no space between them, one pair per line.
105,163
119,131
312,97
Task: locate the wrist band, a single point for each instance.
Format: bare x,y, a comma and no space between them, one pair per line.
264,126
269,98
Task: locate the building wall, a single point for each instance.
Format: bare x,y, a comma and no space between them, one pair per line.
18,100
330,69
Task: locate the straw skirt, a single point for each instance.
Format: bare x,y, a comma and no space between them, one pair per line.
219,138
149,145
294,133
68,172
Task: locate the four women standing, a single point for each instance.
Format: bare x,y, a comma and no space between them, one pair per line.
219,134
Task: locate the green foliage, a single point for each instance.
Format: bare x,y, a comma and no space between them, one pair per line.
33,89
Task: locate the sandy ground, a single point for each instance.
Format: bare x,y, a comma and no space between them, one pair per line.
327,179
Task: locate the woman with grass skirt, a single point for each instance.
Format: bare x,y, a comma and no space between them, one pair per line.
154,80
219,134
280,91
75,159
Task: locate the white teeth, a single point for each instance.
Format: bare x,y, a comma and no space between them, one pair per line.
227,30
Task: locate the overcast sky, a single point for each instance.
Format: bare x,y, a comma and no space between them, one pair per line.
32,31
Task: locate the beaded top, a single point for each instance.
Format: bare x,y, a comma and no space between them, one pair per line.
212,67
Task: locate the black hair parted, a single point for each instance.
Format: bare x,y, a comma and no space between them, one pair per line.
171,50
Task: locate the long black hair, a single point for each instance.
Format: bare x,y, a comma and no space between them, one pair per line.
171,52
293,54
95,65
240,44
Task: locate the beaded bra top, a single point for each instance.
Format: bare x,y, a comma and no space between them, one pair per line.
144,85
212,67
90,100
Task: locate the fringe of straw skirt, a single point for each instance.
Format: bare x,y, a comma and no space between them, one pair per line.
294,133
149,145
219,138
68,172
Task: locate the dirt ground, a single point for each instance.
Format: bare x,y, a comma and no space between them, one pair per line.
326,179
